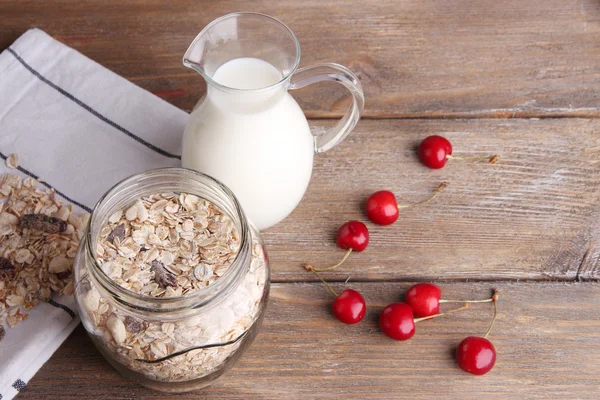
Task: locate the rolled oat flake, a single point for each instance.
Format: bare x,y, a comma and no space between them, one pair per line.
203,272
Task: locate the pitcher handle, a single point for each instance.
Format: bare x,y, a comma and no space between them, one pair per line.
340,74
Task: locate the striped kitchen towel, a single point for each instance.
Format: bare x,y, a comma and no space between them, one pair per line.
81,128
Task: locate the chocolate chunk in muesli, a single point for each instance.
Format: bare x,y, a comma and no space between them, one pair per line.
118,232
63,275
133,325
163,277
7,269
43,223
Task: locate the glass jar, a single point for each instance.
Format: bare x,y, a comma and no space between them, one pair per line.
173,344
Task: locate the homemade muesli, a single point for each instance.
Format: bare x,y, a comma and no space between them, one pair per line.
167,245
39,237
170,245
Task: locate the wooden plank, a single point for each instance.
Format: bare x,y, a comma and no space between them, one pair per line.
431,59
534,215
546,337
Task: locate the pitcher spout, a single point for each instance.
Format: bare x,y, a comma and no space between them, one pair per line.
193,55
243,35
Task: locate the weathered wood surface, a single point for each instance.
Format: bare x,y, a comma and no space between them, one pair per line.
533,215
546,337
434,58
590,265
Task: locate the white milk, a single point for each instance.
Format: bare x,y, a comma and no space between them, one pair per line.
257,142
247,73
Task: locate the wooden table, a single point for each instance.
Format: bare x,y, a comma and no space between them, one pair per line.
517,78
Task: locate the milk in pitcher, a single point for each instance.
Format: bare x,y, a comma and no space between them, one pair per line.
247,131
260,127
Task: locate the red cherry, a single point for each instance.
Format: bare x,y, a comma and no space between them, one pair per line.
353,235
397,321
476,355
424,298
433,151
382,208
349,307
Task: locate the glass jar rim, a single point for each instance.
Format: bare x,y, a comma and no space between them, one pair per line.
197,298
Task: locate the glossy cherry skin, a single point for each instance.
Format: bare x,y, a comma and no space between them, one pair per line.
476,355
382,208
349,307
353,235
397,321
433,151
424,298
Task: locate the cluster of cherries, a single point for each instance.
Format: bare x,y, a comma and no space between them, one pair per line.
474,354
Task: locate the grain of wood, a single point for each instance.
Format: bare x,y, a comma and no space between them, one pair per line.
590,265
531,216
425,59
546,337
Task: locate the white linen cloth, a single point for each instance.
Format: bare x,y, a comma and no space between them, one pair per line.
81,128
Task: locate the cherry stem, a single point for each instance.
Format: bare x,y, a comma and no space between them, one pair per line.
442,186
494,300
465,306
491,299
491,159
310,268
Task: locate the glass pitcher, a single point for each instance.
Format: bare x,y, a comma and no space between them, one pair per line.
248,131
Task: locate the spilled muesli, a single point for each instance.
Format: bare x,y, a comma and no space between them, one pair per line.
39,237
170,245
12,161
